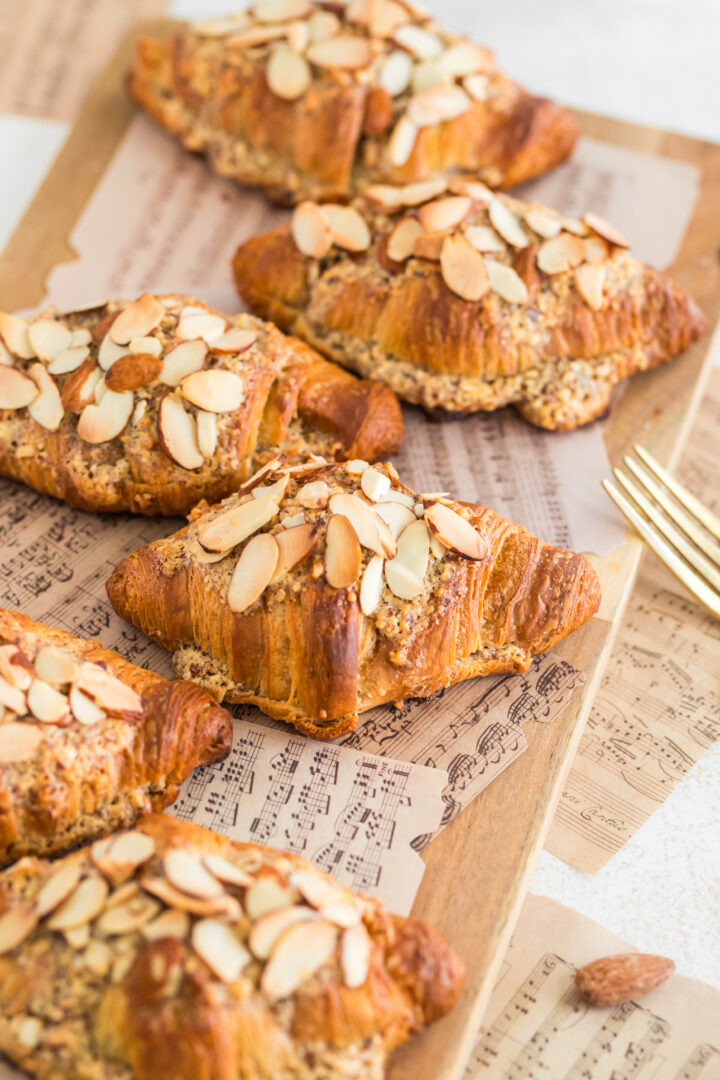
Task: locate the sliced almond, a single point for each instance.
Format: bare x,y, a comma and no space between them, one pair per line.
123,893
266,895
311,230
288,74
421,192
429,246
395,73
401,241
444,213
226,871
274,11
186,872
405,574
343,556
108,692
290,523
121,857
233,526
560,254
55,665
103,422
133,371
298,35
15,925
128,917
477,86
267,930
437,104
369,527
343,913
477,191
355,952
348,227
509,227
219,946
484,239
402,141
343,51
47,704
375,485
15,334
82,906
175,898
48,338
170,924
546,225
590,281
144,345
81,336
257,35
214,390
207,433
387,17
177,433
206,326
16,390
356,466
79,389
420,42
428,73
12,697
295,544
506,282
463,268
19,741
83,709
109,352
234,340
46,409
596,250
396,515
58,887
372,585
98,958
183,360
15,668
79,937
323,24
317,889
604,229
465,58
138,319
68,360
313,494
301,951
274,491
455,532
253,572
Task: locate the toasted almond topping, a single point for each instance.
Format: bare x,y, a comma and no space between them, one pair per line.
343,51
46,704
349,229
396,515
234,340
561,253
253,572
214,390
144,345
323,24
78,937
406,572
121,966
109,352
55,665
506,282
19,741
546,225
395,73
48,338
207,433
183,360
343,556
298,35
355,955
311,230
257,35
173,924
455,532
596,250
277,11
465,58
437,104
137,320
429,246
290,523
267,894
186,872
313,494
484,239
14,332
421,192
341,913
83,905
15,668
402,141
175,898
421,43
387,17
590,281
122,893
374,484
402,239
317,889
125,853
266,931
233,526
370,529
15,925
16,390
275,491
383,196
572,225
46,409
288,74
356,466
83,709
128,917
294,546
69,360
177,433
428,73
12,697
98,957
605,230
227,871
509,227
103,422
219,946
108,692
301,951
58,887
463,268
477,86
444,213
132,371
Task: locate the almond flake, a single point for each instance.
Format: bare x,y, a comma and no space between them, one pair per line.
484,239
506,282
463,268
298,35
234,340
301,951
473,188
267,930
15,925
257,35
275,491
375,485
183,360
177,433
109,352
288,74
348,227
230,528
120,858
505,222
222,26
186,872
317,889
137,320
405,573
214,390
421,43
590,281
343,913
68,360
428,73
465,58
546,225
605,230
12,697
437,104
83,709
133,371
275,11
124,892
207,433
455,532
16,390
82,906
15,334
253,572
175,898
55,665
206,326
395,73
401,241
48,338
46,704
396,515
429,246
266,895
371,530
311,230
402,141
323,24
150,345
58,887
109,692
560,254
128,917
295,544
219,946
15,668
477,86
343,556
290,523
596,250
227,871
98,958
46,409
356,466
18,742
103,422
78,937
313,495
343,51
386,19
444,214
383,196
172,924
355,952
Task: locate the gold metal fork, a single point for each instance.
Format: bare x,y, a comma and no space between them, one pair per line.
694,537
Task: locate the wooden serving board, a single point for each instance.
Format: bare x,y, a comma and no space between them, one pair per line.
479,868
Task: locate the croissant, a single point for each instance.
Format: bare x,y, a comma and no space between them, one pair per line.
334,588
88,741
153,405
461,300
315,100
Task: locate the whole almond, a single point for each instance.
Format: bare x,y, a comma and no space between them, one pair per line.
613,980
133,371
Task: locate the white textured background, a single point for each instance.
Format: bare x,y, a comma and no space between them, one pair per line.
655,62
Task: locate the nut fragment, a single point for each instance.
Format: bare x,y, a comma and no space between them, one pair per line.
253,572
483,238
207,433
288,74
445,213
561,253
46,409
118,857
83,709
202,324
311,230
79,389
177,433
230,528
183,360
295,544
174,924
405,574
313,494
546,225
463,268
138,319
221,905
605,230
266,930
437,104
506,282
234,340
267,894
48,338
614,980
505,222
214,390
15,925
12,697
46,704
422,43
82,906
15,333
127,917
103,422
343,556
465,58
422,191
58,887
402,141
219,946
590,281
455,532
301,951
348,227
68,360
15,668
375,485
371,530
16,389
355,955
395,73
227,871
55,665
109,692
396,515
186,872
401,240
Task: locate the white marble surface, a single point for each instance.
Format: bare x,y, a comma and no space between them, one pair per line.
655,62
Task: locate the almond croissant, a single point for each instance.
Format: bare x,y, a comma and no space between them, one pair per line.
331,589
172,953
153,405
461,300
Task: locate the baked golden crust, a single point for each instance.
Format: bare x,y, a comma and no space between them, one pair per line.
321,103
83,422
358,619
476,314
67,781
117,998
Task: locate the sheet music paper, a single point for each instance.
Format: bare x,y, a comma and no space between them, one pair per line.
658,709
539,1029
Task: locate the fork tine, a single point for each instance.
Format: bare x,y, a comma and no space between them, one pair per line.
698,535
676,538
690,502
664,552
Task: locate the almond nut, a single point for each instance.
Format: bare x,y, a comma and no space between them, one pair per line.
614,980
